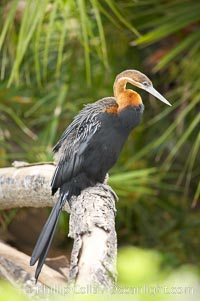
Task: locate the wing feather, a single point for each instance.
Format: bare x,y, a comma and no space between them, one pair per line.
70,149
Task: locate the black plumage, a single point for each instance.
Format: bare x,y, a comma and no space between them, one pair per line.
89,147
87,141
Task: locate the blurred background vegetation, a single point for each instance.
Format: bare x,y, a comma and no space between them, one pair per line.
57,55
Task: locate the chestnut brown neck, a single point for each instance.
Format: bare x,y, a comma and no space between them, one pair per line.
125,97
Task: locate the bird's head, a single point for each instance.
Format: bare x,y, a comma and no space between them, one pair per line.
137,79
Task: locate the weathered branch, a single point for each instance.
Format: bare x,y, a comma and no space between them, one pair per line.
26,186
14,267
92,220
93,258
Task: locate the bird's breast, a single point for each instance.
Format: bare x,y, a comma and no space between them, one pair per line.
103,152
107,143
130,117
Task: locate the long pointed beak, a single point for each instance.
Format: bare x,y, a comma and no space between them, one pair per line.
155,93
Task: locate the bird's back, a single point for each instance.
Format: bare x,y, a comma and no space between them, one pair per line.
73,147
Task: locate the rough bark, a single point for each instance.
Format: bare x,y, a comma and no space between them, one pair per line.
92,220
15,268
26,186
92,226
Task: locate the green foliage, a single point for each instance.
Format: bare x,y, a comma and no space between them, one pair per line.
8,292
56,56
141,277
136,266
45,33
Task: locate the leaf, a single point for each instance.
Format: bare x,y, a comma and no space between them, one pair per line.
101,31
188,42
171,24
18,121
84,26
32,15
123,20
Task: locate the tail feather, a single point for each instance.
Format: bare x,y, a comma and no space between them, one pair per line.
46,232
46,236
45,250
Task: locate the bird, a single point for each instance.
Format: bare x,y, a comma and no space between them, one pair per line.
90,146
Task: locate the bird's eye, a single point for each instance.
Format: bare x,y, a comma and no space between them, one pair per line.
146,84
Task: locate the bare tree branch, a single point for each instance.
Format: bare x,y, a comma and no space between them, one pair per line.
26,186
14,267
92,225
92,220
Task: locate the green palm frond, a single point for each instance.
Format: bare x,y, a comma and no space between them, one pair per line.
174,27
46,29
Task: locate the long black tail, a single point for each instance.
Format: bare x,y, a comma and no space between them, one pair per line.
44,241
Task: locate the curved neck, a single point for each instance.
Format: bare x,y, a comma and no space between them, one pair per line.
125,97
119,86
